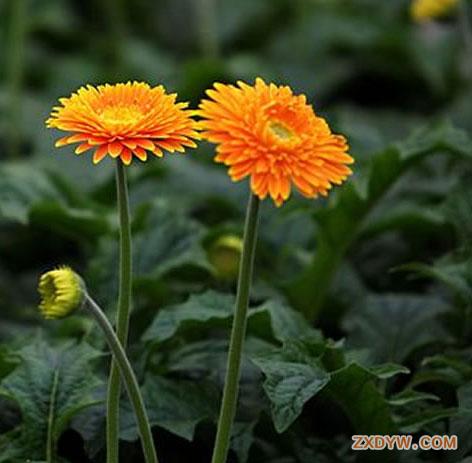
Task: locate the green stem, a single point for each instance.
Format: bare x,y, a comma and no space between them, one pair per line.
129,380
122,320
231,387
52,405
16,40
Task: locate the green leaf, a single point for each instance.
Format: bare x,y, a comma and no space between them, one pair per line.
406,216
409,396
354,389
242,437
461,424
454,270
8,361
458,210
91,424
175,405
166,242
76,223
207,309
215,310
387,370
292,378
342,220
395,325
297,372
455,273
444,371
23,185
205,358
440,136
200,358
415,422
50,386
285,323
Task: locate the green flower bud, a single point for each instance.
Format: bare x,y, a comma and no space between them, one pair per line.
225,254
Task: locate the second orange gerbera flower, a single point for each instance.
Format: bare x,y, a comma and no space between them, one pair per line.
267,133
123,120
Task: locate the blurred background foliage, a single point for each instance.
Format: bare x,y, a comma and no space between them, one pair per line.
361,319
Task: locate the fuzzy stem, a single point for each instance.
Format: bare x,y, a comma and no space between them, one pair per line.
129,380
238,331
122,319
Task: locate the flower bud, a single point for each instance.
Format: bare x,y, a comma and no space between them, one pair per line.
424,10
62,292
225,254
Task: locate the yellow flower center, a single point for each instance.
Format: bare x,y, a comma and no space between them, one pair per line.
281,131
118,115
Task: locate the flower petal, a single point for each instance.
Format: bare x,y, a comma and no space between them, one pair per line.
82,148
140,153
100,153
115,149
126,156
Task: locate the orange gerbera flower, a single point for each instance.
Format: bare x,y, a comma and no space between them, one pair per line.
274,137
123,120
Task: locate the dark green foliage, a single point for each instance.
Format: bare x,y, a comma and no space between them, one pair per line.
50,386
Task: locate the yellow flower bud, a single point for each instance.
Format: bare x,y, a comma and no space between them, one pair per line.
225,254
423,10
62,292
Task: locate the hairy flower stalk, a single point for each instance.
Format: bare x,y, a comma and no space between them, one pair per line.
238,332
123,314
267,134
129,379
123,121
62,293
